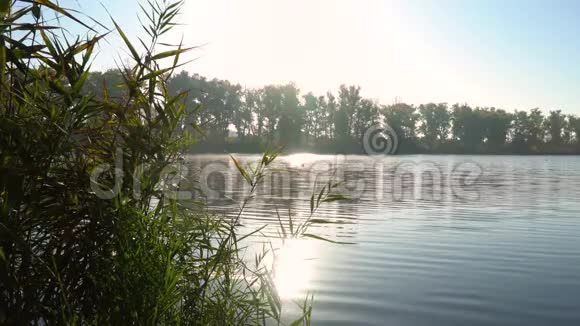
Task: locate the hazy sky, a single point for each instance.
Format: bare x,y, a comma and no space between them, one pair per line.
508,54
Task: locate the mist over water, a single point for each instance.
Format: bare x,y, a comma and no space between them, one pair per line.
439,240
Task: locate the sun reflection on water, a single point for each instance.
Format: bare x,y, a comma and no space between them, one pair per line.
301,159
293,269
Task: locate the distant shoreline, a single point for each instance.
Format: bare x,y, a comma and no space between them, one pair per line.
205,148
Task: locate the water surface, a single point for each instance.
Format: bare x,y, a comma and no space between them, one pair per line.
439,240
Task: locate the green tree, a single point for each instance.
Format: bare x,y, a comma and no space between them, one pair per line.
323,118
331,109
190,87
403,118
312,123
242,117
435,121
568,131
349,101
366,115
555,124
520,131
221,99
108,83
574,126
253,100
272,102
498,124
528,131
469,128
536,129
291,120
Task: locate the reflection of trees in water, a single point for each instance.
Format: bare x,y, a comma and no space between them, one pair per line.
364,180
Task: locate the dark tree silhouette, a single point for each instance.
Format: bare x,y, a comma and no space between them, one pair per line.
249,118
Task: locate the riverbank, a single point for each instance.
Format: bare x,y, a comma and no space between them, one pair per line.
358,149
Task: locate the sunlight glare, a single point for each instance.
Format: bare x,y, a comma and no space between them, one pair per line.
301,159
293,268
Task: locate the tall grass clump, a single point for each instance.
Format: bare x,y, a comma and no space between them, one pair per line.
89,233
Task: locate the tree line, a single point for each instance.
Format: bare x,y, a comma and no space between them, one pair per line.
236,118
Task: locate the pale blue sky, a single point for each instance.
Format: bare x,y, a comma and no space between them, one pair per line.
508,54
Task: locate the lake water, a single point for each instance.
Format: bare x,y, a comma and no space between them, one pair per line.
438,240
